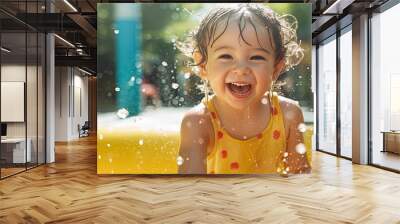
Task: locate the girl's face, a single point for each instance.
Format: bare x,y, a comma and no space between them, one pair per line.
241,73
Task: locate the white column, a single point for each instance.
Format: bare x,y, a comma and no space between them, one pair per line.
50,99
360,90
50,92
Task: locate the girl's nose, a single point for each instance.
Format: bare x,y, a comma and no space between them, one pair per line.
241,68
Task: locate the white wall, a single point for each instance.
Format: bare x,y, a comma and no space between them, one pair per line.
71,94
33,126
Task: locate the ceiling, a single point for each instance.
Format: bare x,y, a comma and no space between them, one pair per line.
76,22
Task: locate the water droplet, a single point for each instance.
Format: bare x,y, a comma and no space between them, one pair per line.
122,113
264,100
302,128
138,81
285,154
174,102
101,136
187,75
179,161
116,31
108,145
195,70
132,79
201,141
99,156
301,148
117,89
175,85
141,142
164,63
308,67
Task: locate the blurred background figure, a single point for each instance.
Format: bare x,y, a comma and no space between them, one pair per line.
150,95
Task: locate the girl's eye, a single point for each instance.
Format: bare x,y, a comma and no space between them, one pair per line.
257,57
225,56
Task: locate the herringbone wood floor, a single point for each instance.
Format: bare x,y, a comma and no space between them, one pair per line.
70,191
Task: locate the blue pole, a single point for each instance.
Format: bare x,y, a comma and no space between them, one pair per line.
127,28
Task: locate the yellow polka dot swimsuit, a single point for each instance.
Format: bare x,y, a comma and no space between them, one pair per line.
260,154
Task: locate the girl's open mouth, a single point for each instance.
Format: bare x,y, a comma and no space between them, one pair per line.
239,89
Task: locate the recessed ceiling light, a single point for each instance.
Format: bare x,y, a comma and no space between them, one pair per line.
70,5
5,50
64,40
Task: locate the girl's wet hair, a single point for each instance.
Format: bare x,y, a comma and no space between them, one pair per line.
280,29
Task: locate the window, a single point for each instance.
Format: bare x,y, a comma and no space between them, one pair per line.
327,96
385,89
346,93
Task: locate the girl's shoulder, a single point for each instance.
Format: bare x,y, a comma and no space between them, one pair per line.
291,111
197,120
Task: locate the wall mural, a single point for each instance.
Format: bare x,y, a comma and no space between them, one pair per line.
204,88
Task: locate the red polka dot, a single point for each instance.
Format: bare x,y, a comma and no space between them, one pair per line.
274,111
276,134
220,134
224,154
259,136
213,115
234,165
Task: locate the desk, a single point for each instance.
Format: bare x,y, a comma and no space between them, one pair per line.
16,147
391,141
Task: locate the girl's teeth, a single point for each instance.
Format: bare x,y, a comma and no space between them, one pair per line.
239,84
